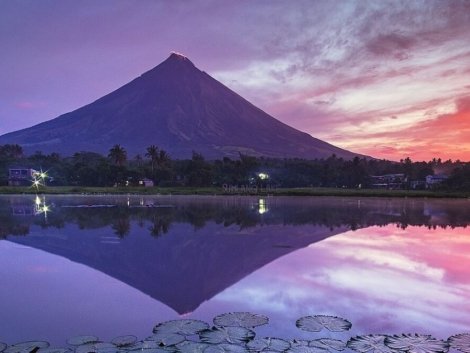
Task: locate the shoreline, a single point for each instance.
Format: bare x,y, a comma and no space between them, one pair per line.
219,191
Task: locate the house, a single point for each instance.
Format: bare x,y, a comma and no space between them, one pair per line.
21,176
387,181
434,180
146,183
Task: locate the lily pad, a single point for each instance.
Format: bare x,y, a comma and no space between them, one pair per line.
149,350
327,343
25,347
124,341
317,323
225,348
55,350
416,343
143,345
369,343
296,346
240,319
460,342
183,327
99,347
305,349
191,347
268,344
233,335
166,338
79,340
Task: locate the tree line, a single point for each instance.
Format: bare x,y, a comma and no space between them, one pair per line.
117,168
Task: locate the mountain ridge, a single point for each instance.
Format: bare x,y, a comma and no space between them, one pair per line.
179,108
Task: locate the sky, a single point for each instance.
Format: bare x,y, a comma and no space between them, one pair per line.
390,79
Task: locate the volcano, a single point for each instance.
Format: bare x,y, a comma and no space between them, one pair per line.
180,109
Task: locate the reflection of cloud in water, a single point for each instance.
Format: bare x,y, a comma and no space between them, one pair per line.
385,280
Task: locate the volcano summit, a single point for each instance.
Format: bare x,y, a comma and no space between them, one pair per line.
179,108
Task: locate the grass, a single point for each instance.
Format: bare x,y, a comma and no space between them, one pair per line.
220,191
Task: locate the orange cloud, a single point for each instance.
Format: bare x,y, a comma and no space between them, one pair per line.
446,137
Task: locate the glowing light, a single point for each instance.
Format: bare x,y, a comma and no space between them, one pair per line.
37,201
263,176
262,207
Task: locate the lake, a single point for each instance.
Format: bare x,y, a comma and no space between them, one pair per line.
118,265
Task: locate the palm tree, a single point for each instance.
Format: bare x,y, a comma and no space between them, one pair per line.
153,154
118,154
163,158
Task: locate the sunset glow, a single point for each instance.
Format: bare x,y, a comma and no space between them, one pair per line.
383,78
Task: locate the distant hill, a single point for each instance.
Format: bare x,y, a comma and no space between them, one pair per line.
179,108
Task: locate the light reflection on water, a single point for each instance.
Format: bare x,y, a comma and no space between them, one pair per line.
112,271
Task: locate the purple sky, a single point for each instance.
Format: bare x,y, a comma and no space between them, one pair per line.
377,77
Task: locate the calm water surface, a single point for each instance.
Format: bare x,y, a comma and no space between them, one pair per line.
113,266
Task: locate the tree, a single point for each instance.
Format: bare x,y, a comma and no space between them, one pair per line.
153,154
118,154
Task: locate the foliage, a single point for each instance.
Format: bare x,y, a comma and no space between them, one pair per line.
92,169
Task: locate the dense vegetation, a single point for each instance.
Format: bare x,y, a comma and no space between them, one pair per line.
92,169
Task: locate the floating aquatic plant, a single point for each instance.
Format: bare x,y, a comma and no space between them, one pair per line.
460,342
225,348
370,344
166,339
302,346
268,344
26,347
233,335
79,340
184,327
54,350
124,341
99,347
316,323
416,343
241,319
328,343
191,347
313,347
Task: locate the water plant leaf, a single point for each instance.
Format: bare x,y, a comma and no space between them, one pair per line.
166,338
460,342
55,350
316,323
148,350
233,335
369,343
191,347
416,343
240,319
123,341
305,349
310,346
143,345
79,340
183,327
3,346
327,343
25,347
225,348
268,344
99,347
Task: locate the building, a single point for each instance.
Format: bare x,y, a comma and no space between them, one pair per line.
434,180
388,181
21,176
146,183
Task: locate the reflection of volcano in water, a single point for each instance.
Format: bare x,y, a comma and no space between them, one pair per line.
183,268
202,246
